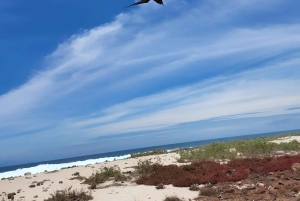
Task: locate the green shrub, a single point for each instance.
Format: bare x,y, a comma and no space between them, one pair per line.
145,168
259,147
104,174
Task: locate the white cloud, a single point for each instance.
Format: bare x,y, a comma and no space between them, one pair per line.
146,48
252,93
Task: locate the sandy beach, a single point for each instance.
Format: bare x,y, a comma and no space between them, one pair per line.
287,139
110,190
126,191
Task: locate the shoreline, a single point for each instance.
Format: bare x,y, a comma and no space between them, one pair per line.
128,190
110,156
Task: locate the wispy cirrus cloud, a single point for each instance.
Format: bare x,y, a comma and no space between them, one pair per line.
154,68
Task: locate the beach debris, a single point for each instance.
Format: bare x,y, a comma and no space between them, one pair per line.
32,186
27,173
35,196
19,190
60,182
28,177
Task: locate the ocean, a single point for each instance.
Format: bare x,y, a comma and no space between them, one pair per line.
19,170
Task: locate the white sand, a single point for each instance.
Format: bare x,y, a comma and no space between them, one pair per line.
128,192
286,139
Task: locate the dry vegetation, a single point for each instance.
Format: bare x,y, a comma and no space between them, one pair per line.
172,198
70,195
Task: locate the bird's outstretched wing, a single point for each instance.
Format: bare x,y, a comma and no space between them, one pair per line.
159,2
140,2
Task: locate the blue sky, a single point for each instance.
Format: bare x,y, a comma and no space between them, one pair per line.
85,77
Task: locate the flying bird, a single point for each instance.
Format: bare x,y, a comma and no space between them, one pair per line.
146,1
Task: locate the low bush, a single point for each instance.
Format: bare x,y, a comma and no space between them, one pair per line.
70,195
160,186
194,187
145,168
205,172
172,198
105,174
209,192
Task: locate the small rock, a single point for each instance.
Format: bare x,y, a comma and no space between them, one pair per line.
261,190
296,167
32,186
279,152
60,182
275,185
231,190
27,173
35,196
11,196
28,177
76,174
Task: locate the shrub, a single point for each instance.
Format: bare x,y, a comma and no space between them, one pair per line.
160,186
145,168
70,195
211,172
104,174
172,198
194,187
210,192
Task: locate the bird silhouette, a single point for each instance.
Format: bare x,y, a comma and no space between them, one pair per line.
146,1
